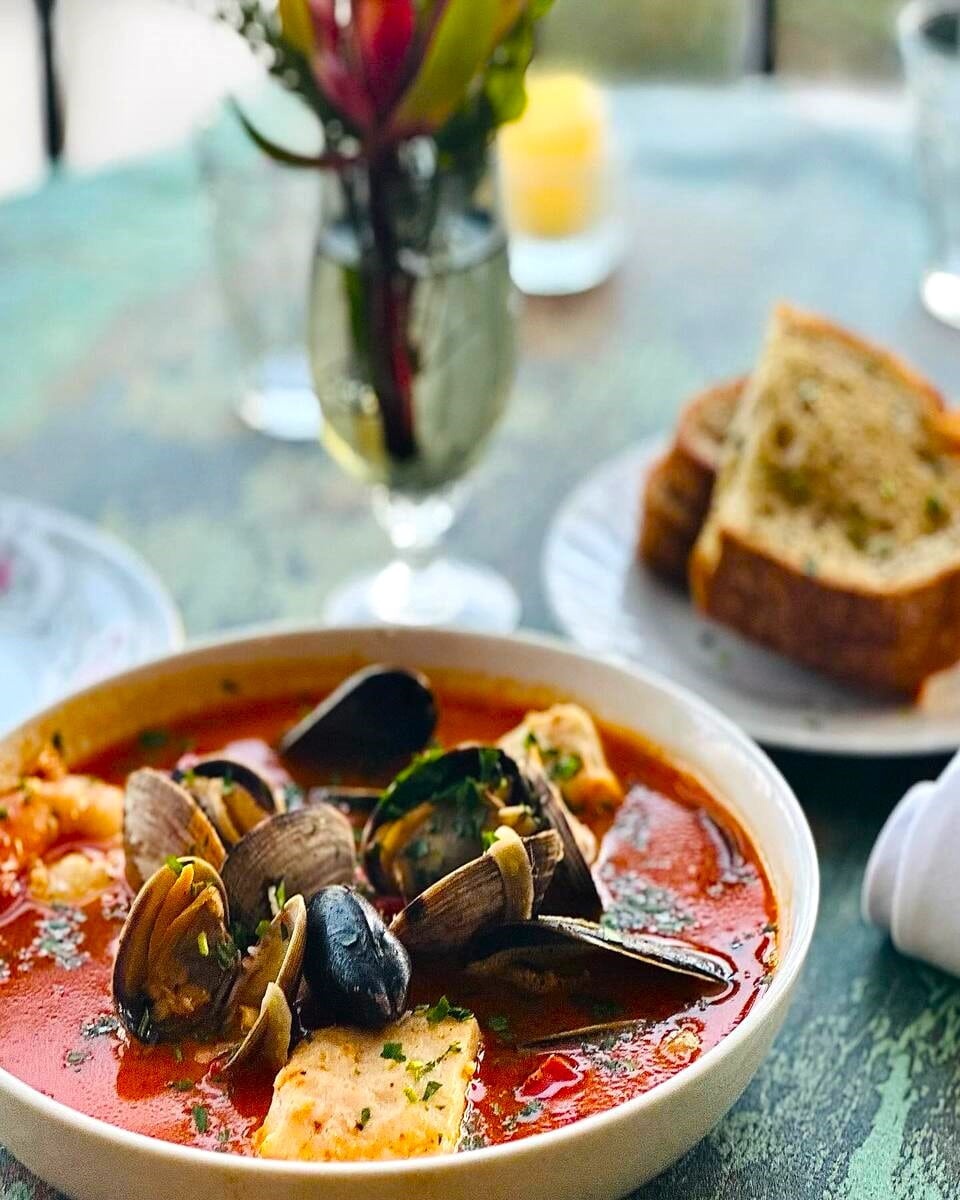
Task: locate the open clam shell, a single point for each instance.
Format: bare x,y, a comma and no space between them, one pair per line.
234,797
381,713
357,970
262,998
477,896
432,818
161,819
303,850
176,962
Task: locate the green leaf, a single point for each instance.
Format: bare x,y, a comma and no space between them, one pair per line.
296,27
394,1051
462,40
200,1117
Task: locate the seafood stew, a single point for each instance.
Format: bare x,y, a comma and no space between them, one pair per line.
456,935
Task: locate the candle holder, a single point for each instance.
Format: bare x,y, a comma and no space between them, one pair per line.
562,189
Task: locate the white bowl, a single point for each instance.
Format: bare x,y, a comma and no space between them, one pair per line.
602,1156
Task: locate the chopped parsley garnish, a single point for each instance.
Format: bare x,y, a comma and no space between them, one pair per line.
223,1135
499,1024
431,1090
418,1068
153,739
563,767
226,953
364,1118
181,1085
935,511
489,836
443,1008
411,1095
201,1118
277,897
173,864
177,1054
100,1026
203,945
530,741
394,1051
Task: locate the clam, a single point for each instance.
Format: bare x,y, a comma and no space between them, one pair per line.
233,795
294,853
176,961
160,820
376,715
504,885
433,817
357,970
266,988
202,811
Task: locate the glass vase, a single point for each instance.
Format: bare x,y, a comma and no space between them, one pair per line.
412,346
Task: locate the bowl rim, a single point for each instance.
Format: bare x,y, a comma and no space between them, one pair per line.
805,903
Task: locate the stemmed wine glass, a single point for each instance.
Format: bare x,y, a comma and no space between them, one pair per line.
412,343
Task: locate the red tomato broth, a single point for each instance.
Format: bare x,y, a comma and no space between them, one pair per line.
660,867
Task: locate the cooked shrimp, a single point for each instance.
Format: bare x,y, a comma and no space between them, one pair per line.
43,811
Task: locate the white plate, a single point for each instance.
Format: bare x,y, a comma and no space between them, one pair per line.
75,606
608,603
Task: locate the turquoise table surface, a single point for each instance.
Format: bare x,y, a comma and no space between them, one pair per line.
116,383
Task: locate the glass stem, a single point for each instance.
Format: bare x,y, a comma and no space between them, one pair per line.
411,590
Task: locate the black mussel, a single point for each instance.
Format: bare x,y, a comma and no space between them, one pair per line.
433,817
358,972
377,715
548,940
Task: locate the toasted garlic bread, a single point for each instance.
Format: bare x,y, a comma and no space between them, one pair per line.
833,534
677,492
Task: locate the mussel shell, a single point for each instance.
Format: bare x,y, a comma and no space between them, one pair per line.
160,819
549,934
377,715
450,914
269,979
425,779
262,800
357,971
305,850
213,971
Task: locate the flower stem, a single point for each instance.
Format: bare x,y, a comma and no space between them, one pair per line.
390,300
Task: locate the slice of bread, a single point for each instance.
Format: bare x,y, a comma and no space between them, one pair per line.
677,491
834,530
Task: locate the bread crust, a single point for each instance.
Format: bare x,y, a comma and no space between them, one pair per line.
676,494
889,642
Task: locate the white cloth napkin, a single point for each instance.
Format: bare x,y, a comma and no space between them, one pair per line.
912,882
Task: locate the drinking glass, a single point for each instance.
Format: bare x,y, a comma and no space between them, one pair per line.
929,32
263,217
412,344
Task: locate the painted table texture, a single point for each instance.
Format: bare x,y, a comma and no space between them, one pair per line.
116,383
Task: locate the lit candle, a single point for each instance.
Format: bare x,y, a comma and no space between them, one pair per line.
554,158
